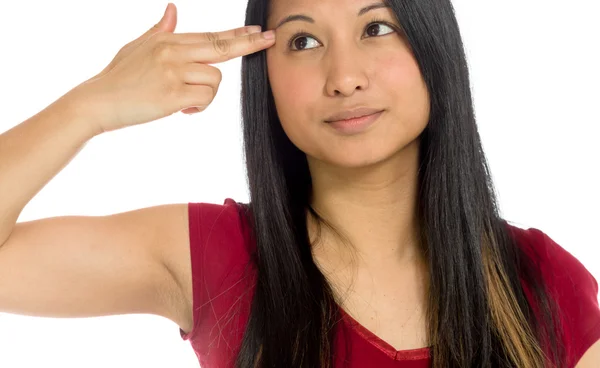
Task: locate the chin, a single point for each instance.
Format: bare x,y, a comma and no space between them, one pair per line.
369,154
355,159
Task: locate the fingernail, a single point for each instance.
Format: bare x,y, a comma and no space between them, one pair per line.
269,35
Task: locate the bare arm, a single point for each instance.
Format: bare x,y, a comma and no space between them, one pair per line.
78,266
33,152
83,266
132,262
591,358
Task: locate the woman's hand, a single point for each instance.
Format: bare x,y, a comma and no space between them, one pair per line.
161,73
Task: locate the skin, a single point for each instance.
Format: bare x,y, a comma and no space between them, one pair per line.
365,184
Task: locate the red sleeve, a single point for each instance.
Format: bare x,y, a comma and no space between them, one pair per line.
217,260
576,292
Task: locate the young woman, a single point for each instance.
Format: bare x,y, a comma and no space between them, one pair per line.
372,238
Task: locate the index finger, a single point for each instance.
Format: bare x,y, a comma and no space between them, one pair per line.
211,36
219,51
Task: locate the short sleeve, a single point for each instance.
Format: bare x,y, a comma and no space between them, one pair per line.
576,292
217,257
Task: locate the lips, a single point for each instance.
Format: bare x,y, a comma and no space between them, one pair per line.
351,114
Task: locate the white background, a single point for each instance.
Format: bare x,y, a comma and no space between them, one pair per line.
534,69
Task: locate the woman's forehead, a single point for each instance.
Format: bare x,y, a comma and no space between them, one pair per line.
281,9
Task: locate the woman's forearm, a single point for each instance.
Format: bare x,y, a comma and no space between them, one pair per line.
34,151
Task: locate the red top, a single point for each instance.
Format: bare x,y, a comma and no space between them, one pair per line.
220,249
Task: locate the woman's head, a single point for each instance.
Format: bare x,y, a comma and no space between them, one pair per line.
478,314
334,56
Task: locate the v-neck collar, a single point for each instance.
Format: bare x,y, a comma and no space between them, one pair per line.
386,348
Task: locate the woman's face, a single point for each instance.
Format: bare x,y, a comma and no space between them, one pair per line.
343,61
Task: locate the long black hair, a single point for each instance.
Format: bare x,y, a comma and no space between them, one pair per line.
478,314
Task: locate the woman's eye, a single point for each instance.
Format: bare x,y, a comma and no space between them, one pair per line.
299,41
377,28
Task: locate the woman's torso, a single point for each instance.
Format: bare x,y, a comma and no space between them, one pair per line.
223,278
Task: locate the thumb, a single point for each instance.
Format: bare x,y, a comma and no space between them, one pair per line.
167,23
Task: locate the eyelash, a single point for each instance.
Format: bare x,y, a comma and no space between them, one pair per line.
303,33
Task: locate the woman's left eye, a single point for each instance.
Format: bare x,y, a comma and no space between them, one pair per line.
373,29
378,27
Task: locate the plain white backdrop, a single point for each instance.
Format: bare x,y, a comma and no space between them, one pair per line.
534,75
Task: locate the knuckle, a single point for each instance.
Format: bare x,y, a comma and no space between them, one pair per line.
205,96
254,38
171,75
211,36
218,74
213,92
154,39
171,85
162,51
161,36
209,92
222,47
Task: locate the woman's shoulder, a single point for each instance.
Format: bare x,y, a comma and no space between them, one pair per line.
223,227
220,246
570,284
565,269
222,282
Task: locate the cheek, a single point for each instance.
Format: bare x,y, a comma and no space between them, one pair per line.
397,73
401,79
293,94
295,91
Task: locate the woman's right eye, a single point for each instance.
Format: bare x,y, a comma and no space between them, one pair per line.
298,42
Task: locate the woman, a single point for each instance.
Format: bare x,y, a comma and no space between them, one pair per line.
371,205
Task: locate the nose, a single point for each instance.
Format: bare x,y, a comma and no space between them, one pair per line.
346,69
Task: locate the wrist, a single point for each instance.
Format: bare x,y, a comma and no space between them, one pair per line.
81,108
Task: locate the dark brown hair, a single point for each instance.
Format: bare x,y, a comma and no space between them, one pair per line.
478,313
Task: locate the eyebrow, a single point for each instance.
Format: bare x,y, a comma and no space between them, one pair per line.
306,18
